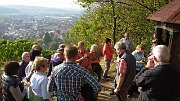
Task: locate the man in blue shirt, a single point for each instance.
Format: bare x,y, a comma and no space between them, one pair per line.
139,56
140,61
70,77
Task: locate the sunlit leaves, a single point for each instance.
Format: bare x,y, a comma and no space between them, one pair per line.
11,50
96,24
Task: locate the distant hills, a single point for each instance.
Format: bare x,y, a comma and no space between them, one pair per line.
34,10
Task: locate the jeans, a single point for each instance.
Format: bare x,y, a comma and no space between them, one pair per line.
107,67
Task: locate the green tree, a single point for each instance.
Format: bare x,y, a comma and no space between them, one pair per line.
101,18
47,38
11,50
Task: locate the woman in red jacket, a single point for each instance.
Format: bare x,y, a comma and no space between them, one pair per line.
108,54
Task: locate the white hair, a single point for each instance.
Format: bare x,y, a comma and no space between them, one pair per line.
162,53
24,54
93,47
120,45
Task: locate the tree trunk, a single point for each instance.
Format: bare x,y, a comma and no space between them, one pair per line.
114,22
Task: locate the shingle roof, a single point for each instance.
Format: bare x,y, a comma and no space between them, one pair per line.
170,13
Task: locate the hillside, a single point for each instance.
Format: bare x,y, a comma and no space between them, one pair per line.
34,10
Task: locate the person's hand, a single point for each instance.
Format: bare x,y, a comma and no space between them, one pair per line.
26,83
150,63
141,62
115,61
116,91
85,56
97,61
80,97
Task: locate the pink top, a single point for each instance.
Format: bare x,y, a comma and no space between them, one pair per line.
122,66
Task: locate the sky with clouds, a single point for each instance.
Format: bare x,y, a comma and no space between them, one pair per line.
43,3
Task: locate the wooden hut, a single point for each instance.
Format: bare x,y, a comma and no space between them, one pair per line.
167,29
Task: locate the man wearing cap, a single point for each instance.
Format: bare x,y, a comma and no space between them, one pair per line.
126,70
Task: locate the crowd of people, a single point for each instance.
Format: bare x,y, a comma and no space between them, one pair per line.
74,74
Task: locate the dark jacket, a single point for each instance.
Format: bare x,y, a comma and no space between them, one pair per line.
11,81
158,84
21,72
131,69
53,64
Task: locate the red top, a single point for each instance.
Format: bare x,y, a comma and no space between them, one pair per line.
83,62
107,52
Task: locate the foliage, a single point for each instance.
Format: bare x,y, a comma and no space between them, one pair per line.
91,28
131,16
56,40
12,50
51,40
47,38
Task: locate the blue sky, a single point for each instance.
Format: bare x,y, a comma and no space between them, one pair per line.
43,3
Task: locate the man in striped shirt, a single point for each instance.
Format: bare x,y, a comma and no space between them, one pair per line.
70,77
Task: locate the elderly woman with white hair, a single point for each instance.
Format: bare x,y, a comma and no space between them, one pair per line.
96,67
159,81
